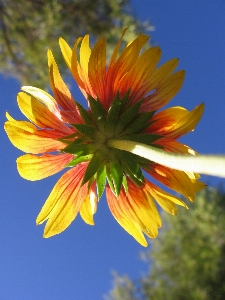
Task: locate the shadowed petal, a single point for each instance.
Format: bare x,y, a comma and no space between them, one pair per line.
62,94
165,200
178,181
44,98
33,167
39,114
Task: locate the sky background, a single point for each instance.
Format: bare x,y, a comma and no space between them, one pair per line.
78,263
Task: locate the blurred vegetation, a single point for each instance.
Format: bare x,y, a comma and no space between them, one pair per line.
187,260
29,27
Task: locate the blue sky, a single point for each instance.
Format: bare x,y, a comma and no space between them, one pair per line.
78,263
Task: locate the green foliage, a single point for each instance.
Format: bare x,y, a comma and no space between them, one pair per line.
29,27
187,260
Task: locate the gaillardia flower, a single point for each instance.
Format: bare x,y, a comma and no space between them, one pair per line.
123,100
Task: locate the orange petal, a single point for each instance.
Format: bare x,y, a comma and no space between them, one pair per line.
97,68
27,138
32,167
64,202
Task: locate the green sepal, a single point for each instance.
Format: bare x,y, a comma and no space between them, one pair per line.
110,180
84,114
130,162
86,130
144,138
116,173
124,101
65,138
93,166
98,112
113,114
125,186
101,180
131,176
81,140
139,122
80,149
79,159
127,117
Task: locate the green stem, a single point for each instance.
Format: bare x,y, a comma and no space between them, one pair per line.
204,164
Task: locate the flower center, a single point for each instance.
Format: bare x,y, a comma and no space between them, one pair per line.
122,121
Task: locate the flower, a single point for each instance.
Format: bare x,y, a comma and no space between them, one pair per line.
123,100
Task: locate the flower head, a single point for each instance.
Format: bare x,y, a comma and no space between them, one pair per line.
123,100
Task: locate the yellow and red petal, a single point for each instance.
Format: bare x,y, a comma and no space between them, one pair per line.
123,218
33,167
138,205
136,77
64,202
27,138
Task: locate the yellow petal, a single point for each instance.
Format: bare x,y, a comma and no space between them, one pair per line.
165,92
66,51
89,207
161,73
85,53
187,123
27,138
32,167
165,200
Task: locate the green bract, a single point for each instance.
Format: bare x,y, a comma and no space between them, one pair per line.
121,121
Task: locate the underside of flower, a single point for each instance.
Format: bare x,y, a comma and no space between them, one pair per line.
98,145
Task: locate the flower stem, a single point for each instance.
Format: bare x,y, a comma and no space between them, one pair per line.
204,164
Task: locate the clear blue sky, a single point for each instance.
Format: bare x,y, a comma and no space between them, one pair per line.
78,263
